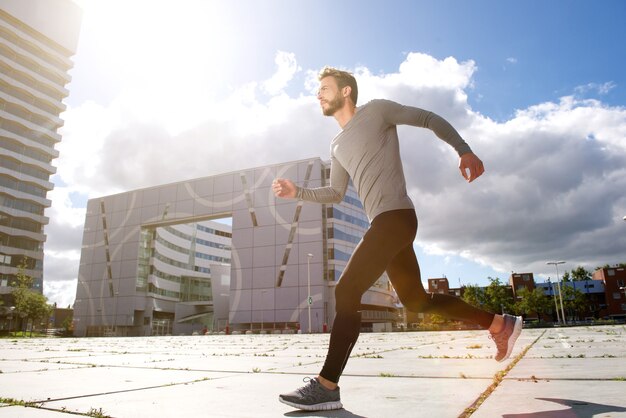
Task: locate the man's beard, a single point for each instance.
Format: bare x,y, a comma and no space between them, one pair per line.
334,105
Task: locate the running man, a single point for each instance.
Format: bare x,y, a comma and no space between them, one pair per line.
366,150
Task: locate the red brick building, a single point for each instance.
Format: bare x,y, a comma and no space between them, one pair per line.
519,281
614,280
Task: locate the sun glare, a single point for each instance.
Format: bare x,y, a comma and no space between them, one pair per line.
165,53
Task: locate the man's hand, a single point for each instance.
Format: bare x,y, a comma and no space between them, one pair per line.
470,162
284,188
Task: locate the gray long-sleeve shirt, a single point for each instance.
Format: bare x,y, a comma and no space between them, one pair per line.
367,151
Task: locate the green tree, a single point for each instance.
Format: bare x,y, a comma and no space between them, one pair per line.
474,295
495,298
580,274
574,301
533,301
498,297
29,304
68,325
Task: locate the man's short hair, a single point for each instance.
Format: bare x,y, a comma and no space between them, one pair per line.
343,79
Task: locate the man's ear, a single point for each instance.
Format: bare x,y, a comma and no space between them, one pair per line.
346,91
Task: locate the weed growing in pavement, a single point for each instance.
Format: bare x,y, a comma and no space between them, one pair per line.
474,346
383,374
578,356
13,402
97,413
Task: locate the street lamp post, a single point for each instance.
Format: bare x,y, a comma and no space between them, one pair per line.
263,292
11,313
115,314
308,285
558,282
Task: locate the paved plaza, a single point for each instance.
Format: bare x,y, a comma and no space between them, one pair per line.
556,372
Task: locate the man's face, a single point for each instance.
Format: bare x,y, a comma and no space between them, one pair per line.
330,96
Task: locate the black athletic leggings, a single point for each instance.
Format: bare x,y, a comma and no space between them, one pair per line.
387,245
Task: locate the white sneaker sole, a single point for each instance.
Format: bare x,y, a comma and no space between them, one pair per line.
326,406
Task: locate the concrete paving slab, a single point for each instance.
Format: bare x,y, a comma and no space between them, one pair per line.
32,366
239,364
577,343
555,399
38,354
596,368
23,412
390,375
257,395
54,384
428,368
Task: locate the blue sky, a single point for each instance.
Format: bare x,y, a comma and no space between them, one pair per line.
536,87
527,52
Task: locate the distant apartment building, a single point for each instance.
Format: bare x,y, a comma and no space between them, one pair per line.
519,281
442,286
151,265
37,39
614,281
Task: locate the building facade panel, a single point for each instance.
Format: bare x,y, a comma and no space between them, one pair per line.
263,277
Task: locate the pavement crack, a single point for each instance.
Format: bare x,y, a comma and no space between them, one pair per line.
91,395
497,379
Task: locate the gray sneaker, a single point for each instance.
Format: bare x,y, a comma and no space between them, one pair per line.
312,397
505,339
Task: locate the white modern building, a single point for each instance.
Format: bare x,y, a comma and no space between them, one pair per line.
37,39
273,269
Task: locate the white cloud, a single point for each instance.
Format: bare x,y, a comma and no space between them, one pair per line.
599,88
552,189
287,68
60,292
